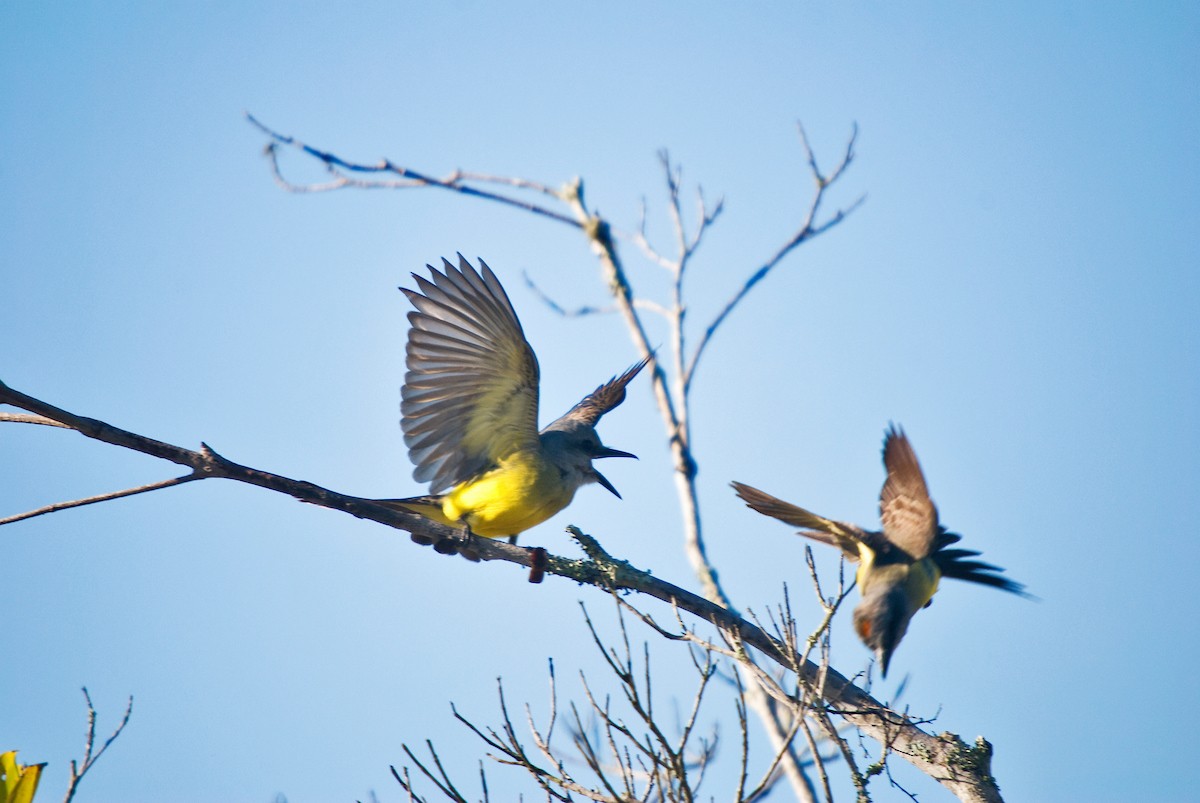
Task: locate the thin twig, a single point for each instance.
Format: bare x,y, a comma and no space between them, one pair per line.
807,230
207,464
558,309
80,769
91,500
448,791
22,418
407,177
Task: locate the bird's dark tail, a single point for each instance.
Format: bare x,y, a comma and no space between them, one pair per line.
959,565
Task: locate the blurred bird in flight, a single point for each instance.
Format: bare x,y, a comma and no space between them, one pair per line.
899,568
469,411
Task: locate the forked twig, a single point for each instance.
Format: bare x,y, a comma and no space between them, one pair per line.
808,229
80,769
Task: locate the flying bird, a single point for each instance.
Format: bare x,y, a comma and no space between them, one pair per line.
469,411
900,566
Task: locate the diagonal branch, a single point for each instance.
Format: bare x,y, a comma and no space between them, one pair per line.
207,464
964,770
91,500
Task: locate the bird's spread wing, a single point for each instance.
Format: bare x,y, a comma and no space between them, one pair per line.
603,399
910,520
470,394
845,537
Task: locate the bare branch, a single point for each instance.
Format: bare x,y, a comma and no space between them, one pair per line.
578,312
483,782
944,757
406,784
832,733
154,486
446,789
406,177
799,721
641,241
207,464
80,769
744,743
674,404
704,218
809,228
21,418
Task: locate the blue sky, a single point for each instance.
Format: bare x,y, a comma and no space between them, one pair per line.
1020,291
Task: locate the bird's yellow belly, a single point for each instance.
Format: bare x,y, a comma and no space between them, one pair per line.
923,580
521,493
919,579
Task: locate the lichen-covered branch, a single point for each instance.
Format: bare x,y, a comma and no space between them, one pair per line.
945,758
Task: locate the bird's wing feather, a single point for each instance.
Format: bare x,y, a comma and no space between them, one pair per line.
470,395
845,537
601,400
910,519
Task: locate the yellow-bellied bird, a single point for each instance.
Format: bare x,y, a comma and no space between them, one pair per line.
469,411
899,568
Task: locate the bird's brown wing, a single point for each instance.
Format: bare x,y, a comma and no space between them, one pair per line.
845,537
910,519
470,395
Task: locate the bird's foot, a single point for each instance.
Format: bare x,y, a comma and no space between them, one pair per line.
466,544
469,548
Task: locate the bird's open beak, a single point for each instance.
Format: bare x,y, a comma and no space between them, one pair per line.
604,451
600,478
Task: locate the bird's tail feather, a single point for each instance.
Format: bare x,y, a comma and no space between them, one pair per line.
957,564
428,506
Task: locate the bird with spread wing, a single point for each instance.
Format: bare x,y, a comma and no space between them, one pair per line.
900,566
469,411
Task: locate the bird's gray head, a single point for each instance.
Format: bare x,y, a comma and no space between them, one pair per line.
881,620
572,446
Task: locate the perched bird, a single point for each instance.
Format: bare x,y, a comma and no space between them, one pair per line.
899,568
470,408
